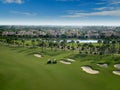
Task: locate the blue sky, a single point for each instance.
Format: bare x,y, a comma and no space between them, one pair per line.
60,12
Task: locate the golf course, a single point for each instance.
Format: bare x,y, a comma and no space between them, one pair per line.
20,69
59,44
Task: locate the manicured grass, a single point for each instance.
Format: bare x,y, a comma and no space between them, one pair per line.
21,70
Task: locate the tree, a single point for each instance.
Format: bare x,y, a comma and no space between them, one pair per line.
8,40
99,42
91,47
105,48
73,48
78,46
72,41
63,44
118,41
33,42
56,45
51,45
23,42
38,41
42,45
84,47
113,42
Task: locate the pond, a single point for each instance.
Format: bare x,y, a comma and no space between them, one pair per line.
83,41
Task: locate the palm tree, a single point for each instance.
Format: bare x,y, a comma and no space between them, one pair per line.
42,44
84,47
73,48
68,47
33,42
13,40
91,47
23,42
113,46
58,43
63,44
38,41
99,42
78,46
72,41
8,40
106,42
102,50
51,45
106,47
118,41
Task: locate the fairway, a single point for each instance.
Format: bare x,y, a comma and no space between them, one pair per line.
21,70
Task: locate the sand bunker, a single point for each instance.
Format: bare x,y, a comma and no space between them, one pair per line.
71,60
89,70
116,72
64,62
102,65
117,66
37,55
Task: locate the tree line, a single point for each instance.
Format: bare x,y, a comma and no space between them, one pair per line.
103,46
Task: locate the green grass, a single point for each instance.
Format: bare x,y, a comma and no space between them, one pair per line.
20,70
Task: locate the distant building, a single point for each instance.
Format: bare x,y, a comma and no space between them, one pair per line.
92,34
108,33
8,33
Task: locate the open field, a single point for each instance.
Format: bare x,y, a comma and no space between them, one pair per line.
21,70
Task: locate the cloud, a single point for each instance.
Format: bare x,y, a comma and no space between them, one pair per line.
101,13
24,13
13,1
101,8
74,11
104,8
100,3
108,2
116,2
113,2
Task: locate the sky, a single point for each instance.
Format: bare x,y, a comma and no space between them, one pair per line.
60,12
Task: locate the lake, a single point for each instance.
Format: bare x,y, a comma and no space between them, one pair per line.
83,41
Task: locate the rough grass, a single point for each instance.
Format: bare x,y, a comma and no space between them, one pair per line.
20,70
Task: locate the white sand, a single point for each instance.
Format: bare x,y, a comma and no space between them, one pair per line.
37,55
89,70
116,72
71,60
103,65
117,66
64,62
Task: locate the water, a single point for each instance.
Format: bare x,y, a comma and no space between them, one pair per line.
82,41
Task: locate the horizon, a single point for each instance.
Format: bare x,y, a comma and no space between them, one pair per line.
59,25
